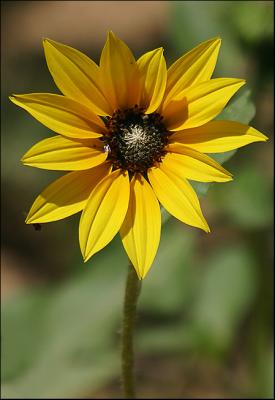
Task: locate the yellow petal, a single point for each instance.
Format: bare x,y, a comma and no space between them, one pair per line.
63,154
199,104
193,165
76,75
192,68
104,213
119,74
177,196
61,114
218,136
140,231
152,67
66,196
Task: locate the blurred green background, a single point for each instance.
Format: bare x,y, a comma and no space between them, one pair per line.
205,315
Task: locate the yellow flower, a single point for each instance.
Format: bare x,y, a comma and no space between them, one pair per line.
132,133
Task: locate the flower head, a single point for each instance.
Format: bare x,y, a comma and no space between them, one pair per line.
131,133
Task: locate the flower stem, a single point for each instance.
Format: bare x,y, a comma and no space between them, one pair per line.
133,286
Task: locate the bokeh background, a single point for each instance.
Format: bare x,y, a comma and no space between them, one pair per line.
205,315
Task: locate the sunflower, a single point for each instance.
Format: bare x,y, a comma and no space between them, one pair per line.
131,134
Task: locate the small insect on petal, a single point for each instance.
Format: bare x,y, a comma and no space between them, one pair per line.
107,148
37,227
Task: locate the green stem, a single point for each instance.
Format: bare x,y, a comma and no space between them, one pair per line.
133,286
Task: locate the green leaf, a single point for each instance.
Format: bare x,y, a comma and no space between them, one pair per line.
241,109
165,216
248,201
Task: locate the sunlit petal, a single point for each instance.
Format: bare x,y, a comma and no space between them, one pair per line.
61,114
60,153
104,213
119,74
177,196
66,196
194,165
140,231
76,75
218,136
192,68
198,105
152,67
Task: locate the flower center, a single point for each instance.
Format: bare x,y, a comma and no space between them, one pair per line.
135,141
